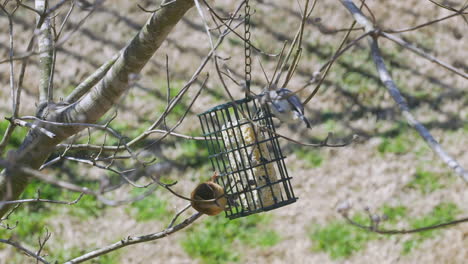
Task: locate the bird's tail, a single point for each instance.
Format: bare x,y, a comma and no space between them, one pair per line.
305,121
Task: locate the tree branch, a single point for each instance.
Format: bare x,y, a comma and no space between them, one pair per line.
46,52
423,54
135,240
25,250
392,88
37,147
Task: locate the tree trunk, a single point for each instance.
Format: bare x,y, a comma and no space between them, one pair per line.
37,147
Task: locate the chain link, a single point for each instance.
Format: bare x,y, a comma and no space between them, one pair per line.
247,49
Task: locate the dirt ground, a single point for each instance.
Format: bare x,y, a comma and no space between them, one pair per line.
351,102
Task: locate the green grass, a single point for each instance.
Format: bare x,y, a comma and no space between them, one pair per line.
442,213
193,153
219,240
340,239
425,181
32,218
313,157
150,208
394,214
16,138
401,144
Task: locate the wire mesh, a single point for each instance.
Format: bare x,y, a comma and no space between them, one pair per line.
247,157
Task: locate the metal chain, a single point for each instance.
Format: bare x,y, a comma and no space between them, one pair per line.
247,49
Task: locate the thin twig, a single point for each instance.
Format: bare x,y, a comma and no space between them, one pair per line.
460,12
65,20
19,122
25,250
42,243
161,6
174,219
329,64
423,54
375,220
36,200
15,104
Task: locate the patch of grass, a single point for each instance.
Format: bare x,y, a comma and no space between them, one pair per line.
268,238
394,213
442,213
150,208
312,156
399,145
465,127
330,124
29,223
16,138
88,206
340,239
219,240
356,83
425,181
63,254
193,153
32,217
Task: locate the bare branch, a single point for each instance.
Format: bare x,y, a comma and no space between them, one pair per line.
25,250
460,12
387,80
35,200
46,51
71,186
64,22
329,64
42,243
19,122
174,219
168,109
6,217
161,6
375,221
423,54
135,240
14,91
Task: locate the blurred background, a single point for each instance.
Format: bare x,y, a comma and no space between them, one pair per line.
389,169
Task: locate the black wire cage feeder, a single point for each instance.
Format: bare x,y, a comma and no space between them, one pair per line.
244,149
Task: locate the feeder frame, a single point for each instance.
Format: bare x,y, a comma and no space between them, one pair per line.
247,157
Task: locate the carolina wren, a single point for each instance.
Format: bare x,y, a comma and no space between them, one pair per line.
208,197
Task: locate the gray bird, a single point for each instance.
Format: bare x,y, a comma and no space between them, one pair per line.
285,105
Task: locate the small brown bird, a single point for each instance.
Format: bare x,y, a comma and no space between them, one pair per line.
208,197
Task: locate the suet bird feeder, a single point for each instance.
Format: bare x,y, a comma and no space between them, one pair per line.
244,149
